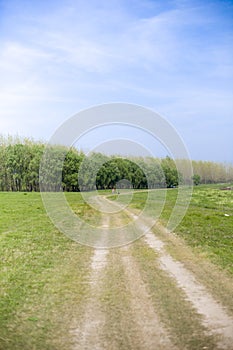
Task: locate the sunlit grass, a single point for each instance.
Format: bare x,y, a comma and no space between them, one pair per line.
207,224
44,274
42,278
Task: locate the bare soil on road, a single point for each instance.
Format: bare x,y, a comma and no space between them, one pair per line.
152,294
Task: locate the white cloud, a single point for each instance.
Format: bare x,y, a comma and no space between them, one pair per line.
165,55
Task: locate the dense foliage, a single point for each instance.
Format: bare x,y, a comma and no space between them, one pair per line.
20,166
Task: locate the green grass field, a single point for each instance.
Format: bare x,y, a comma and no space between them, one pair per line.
44,274
207,225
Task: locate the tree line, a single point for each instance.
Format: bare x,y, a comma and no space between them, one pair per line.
20,161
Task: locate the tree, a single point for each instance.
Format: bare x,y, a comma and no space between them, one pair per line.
69,169
196,179
171,174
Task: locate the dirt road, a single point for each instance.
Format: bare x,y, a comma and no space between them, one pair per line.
142,296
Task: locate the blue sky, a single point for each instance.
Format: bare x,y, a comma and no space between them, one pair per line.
175,57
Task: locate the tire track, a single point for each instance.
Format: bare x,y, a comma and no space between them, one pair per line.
215,318
150,331
89,334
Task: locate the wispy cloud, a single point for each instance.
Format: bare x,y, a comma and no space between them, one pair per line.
60,57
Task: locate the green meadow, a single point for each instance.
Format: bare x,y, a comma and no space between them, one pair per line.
44,275
207,226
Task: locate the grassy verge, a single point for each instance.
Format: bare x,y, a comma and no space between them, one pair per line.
203,269
175,311
207,225
82,208
43,277
119,326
